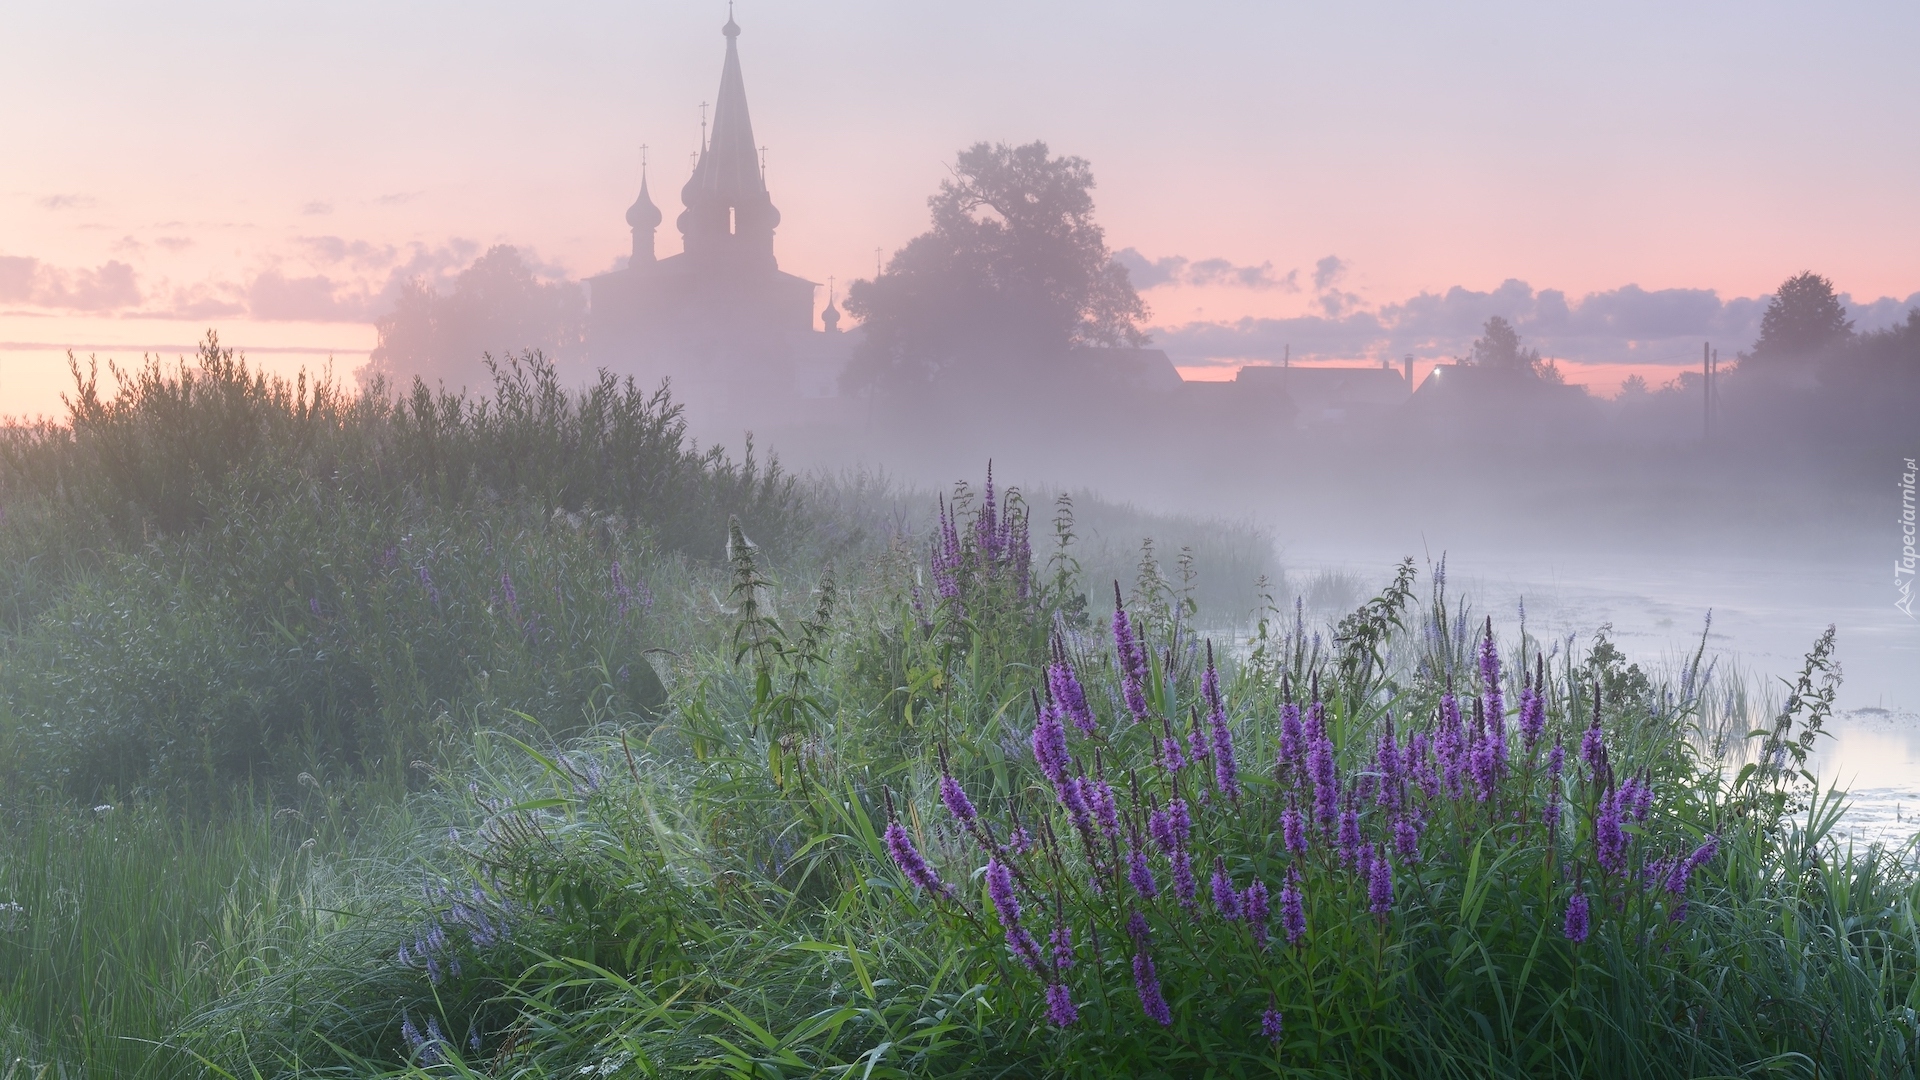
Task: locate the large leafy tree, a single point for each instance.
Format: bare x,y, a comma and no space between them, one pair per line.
498,305
1013,269
1803,321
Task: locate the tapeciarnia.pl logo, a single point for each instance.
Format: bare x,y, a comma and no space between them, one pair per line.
1903,566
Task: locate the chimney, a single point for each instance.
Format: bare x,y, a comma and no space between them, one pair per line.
1408,365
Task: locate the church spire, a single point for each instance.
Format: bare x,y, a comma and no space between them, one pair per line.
726,199
643,218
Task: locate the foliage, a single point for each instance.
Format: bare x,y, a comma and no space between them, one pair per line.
497,305
1014,266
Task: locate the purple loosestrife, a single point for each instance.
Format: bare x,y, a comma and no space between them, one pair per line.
1490,682
955,799
1060,1009
1420,765
1406,838
1387,762
1019,940
1292,741
1146,982
1226,771
1062,942
1133,660
1380,885
1593,745
986,525
1349,837
1609,839
1533,717
1293,830
1450,743
1481,762
1197,746
1064,686
1226,899
1184,886
1137,928
1253,908
1099,799
1050,742
908,857
1170,754
1139,874
1271,1025
1682,872
1578,924
1326,781
1293,909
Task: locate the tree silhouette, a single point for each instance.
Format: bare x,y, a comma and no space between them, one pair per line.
1498,350
1014,267
1803,321
497,305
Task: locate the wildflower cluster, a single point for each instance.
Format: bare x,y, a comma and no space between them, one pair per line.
1355,826
995,548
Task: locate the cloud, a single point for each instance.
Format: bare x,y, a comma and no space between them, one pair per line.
397,198
174,244
1625,325
66,202
1328,272
316,298
317,207
1178,270
109,286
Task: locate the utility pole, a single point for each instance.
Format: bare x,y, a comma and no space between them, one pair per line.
1706,393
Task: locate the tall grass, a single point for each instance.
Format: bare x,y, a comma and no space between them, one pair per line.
118,923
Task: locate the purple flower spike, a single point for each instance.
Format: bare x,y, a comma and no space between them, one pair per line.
1292,743
1062,941
1593,745
1067,692
1293,909
1490,678
1226,771
1132,657
1271,1025
1578,924
1533,716
1099,799
1406,839
910,861
1146,981
1139,874
1293,828
1253,908
1184,886
1050,742
1380,886
1609,839
1349,837
1000,891
1060,1009
955,798
1226,899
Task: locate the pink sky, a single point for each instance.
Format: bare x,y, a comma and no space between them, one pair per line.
272,171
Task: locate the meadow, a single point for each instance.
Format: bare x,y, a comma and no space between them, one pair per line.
417,734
